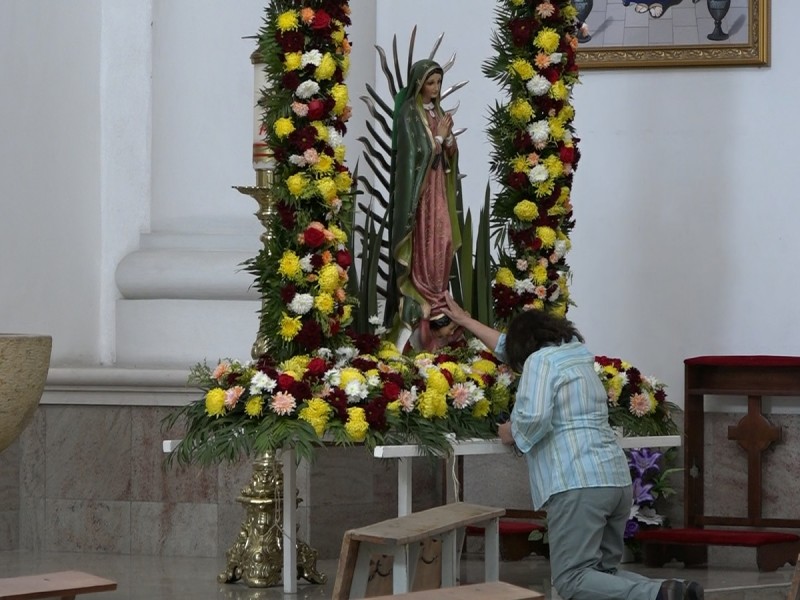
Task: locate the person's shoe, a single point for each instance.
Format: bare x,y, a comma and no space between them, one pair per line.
694,591
672,589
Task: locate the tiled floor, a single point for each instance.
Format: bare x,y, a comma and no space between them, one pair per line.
158,577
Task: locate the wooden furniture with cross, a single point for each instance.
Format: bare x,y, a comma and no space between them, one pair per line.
401,538
753,377
64,584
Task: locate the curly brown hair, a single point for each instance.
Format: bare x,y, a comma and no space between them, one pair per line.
531,330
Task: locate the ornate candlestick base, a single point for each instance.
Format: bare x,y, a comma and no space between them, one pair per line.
257,555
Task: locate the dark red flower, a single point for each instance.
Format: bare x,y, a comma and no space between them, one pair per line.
517,181
310,335
322,20
300,390
338,401
290,80
317,367
302,139
343,259
375,413
522,30
290,41
285,381
566,154
287,215
391,391
316,109
314,237
288,292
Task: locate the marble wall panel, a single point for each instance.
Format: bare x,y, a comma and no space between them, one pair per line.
10,477
725,469
781,471
88,452
152,479
32,476
497,480
31,524
87,526
9,529
174,529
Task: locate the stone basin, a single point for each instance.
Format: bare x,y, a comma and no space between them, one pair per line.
24,362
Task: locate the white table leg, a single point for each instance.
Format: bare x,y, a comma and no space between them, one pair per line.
491,541
289,521
404,487
449,559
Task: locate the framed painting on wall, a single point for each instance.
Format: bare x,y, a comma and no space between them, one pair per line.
672,33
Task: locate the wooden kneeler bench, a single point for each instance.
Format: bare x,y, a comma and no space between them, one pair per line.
496,590
64,584
400,538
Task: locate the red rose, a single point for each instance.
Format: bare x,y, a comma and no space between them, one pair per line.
316,109
567,154
391,391
343,259
317,367
285,381
313,237
322,20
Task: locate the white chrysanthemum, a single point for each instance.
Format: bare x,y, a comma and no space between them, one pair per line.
556,57
476,345
504,378
375,320
335,138
356,391
306,89
539,131
373,381
324,353
312,57
301,303
306,264
556,293
522,286
538,85
651,381
332,377
538,174
297,160
346,354
380,330
260,383
567,137
560,248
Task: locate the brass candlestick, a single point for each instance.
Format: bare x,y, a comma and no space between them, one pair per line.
257,555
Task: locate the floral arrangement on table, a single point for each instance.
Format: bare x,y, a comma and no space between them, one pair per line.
637,404
534,153
650,474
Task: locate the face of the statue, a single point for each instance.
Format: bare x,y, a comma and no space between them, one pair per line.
431,87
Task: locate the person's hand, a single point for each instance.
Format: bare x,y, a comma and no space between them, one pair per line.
456,313
504,432
445,127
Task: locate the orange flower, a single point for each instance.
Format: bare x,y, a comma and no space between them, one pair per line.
326,257
307,15
542,60
346,46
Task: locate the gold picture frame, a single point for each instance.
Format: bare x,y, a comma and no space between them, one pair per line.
754,52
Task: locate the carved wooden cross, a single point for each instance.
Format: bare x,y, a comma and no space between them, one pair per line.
754,433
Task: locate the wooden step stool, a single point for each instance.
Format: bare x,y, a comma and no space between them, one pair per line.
400,537
64,584
496,590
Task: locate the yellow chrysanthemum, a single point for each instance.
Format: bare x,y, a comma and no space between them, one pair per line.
324,303
296,184
327,188
356,426
557,129
525,210
339,155
567,113
326,68
293,61
481,408
500,397
290,327
559,90
547,39
505,277
288,21
538,304
337,35
393,407
339,234
478,379
569,12
554,165
523,68
347,314
254,406
345,64
215,402
351,374
317,413
340,98
455,370
520,164
517,2
328,278
322,130
289,265
539,275
437,382
296,365
484,365
544,188
388,351
520,110
547,235
324,164
343,182
559,310
432,404
283,127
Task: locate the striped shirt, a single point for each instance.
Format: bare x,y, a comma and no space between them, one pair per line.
560,423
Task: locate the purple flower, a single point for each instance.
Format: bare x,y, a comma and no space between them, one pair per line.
643,460
631,529
641,492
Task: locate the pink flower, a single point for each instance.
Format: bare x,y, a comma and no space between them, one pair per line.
545,9
406,400
461,395
283,403
311,156
232,395
640,404
300,109
222,369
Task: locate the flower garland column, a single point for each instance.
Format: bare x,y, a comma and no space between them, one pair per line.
534,153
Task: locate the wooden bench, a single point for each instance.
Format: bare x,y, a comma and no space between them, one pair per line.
689,546
496,590
515,530
401,538
64,584
794,591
